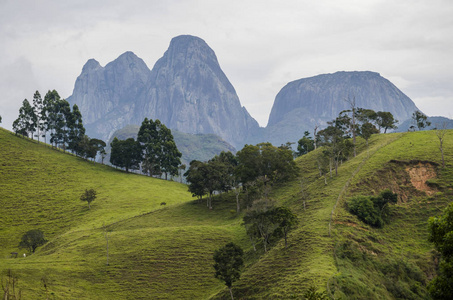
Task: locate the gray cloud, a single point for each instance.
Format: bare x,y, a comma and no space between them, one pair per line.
261,45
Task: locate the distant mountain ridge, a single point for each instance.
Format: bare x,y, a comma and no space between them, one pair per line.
186,90
302,104
105,95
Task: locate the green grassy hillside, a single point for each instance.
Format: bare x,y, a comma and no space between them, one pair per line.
165,252
155,251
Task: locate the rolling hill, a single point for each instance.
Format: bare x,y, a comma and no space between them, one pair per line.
165,251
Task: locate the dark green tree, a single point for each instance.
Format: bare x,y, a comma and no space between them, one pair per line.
160,153
305,144
99,148
88,196
364,115
373,210
195,178
385,120
148,137
213,172
285,219
261,221
49,112
25,124
441,235
228,264
249,163
76,131
85,148
126,154
32,239
337,145
19,127
227,163
63,123
367,130
170,155
38,108
265,160
420,119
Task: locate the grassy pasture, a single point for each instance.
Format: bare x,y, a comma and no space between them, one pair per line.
165,252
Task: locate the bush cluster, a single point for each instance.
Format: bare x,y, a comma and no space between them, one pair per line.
372,210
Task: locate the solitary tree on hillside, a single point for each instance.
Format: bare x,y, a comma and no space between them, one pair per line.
32,239
367,130
228,264
88,196
285,219
420,119
305,144
385,120
441,130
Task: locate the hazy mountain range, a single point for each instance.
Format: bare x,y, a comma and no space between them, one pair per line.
187,90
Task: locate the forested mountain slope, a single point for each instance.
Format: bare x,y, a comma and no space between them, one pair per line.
165,251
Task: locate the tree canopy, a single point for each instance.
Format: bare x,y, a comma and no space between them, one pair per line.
160,154
88,196
441,235
32,239
228,264
420,120
305,144
126,154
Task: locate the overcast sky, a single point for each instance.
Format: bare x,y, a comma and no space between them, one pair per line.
261,45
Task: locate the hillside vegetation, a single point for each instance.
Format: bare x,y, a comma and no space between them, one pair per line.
165,251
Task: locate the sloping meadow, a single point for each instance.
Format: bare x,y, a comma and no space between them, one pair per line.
160,251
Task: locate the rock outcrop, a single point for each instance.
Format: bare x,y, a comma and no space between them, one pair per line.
107,96
189,92
186,90
307,102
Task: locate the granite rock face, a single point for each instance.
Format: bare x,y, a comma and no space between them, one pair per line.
189,92
186,90
107,96
304,103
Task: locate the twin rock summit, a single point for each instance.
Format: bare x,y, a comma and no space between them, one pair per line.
188,91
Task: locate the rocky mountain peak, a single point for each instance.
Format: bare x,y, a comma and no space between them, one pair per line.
190,93
187,48
91,65
307,102
186,90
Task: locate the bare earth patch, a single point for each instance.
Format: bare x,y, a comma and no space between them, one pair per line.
419,174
